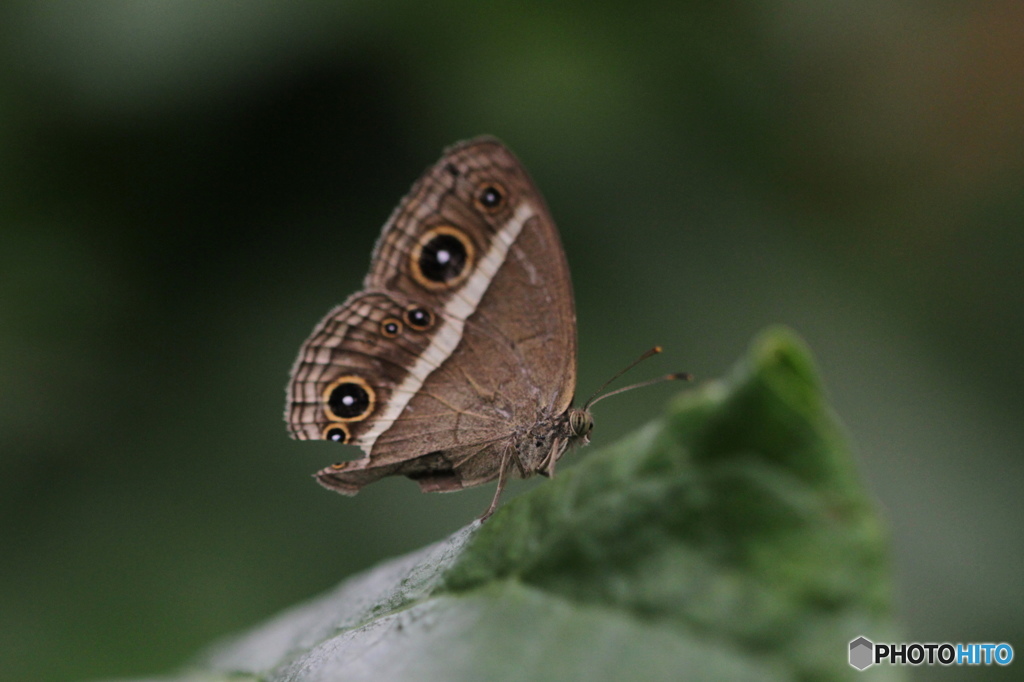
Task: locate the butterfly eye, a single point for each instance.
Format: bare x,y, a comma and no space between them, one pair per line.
419,318
349,399
336,432
442,258
391,327
580,423
491,197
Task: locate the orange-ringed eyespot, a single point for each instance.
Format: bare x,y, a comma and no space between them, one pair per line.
418,317
442,258
336,432
490,197
391,327
349,398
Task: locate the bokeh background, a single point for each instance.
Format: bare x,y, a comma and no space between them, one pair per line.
186,188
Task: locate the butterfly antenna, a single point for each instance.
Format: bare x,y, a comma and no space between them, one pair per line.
598,396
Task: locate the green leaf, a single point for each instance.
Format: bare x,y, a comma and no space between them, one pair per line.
729,540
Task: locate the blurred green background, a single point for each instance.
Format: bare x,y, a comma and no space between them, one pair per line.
186,188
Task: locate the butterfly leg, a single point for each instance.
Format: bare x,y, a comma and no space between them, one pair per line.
547,465
507,458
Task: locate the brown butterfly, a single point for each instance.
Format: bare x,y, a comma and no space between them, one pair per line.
456,363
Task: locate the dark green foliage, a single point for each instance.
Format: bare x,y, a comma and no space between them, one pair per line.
728,540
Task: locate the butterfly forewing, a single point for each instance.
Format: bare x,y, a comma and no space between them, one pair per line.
464,335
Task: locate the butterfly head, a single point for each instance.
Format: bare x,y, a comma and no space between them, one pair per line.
580,424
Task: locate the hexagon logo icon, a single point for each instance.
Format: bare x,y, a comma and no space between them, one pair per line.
861,650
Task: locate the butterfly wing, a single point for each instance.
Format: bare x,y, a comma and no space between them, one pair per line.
464,336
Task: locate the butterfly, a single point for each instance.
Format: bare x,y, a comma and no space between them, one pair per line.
455,365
